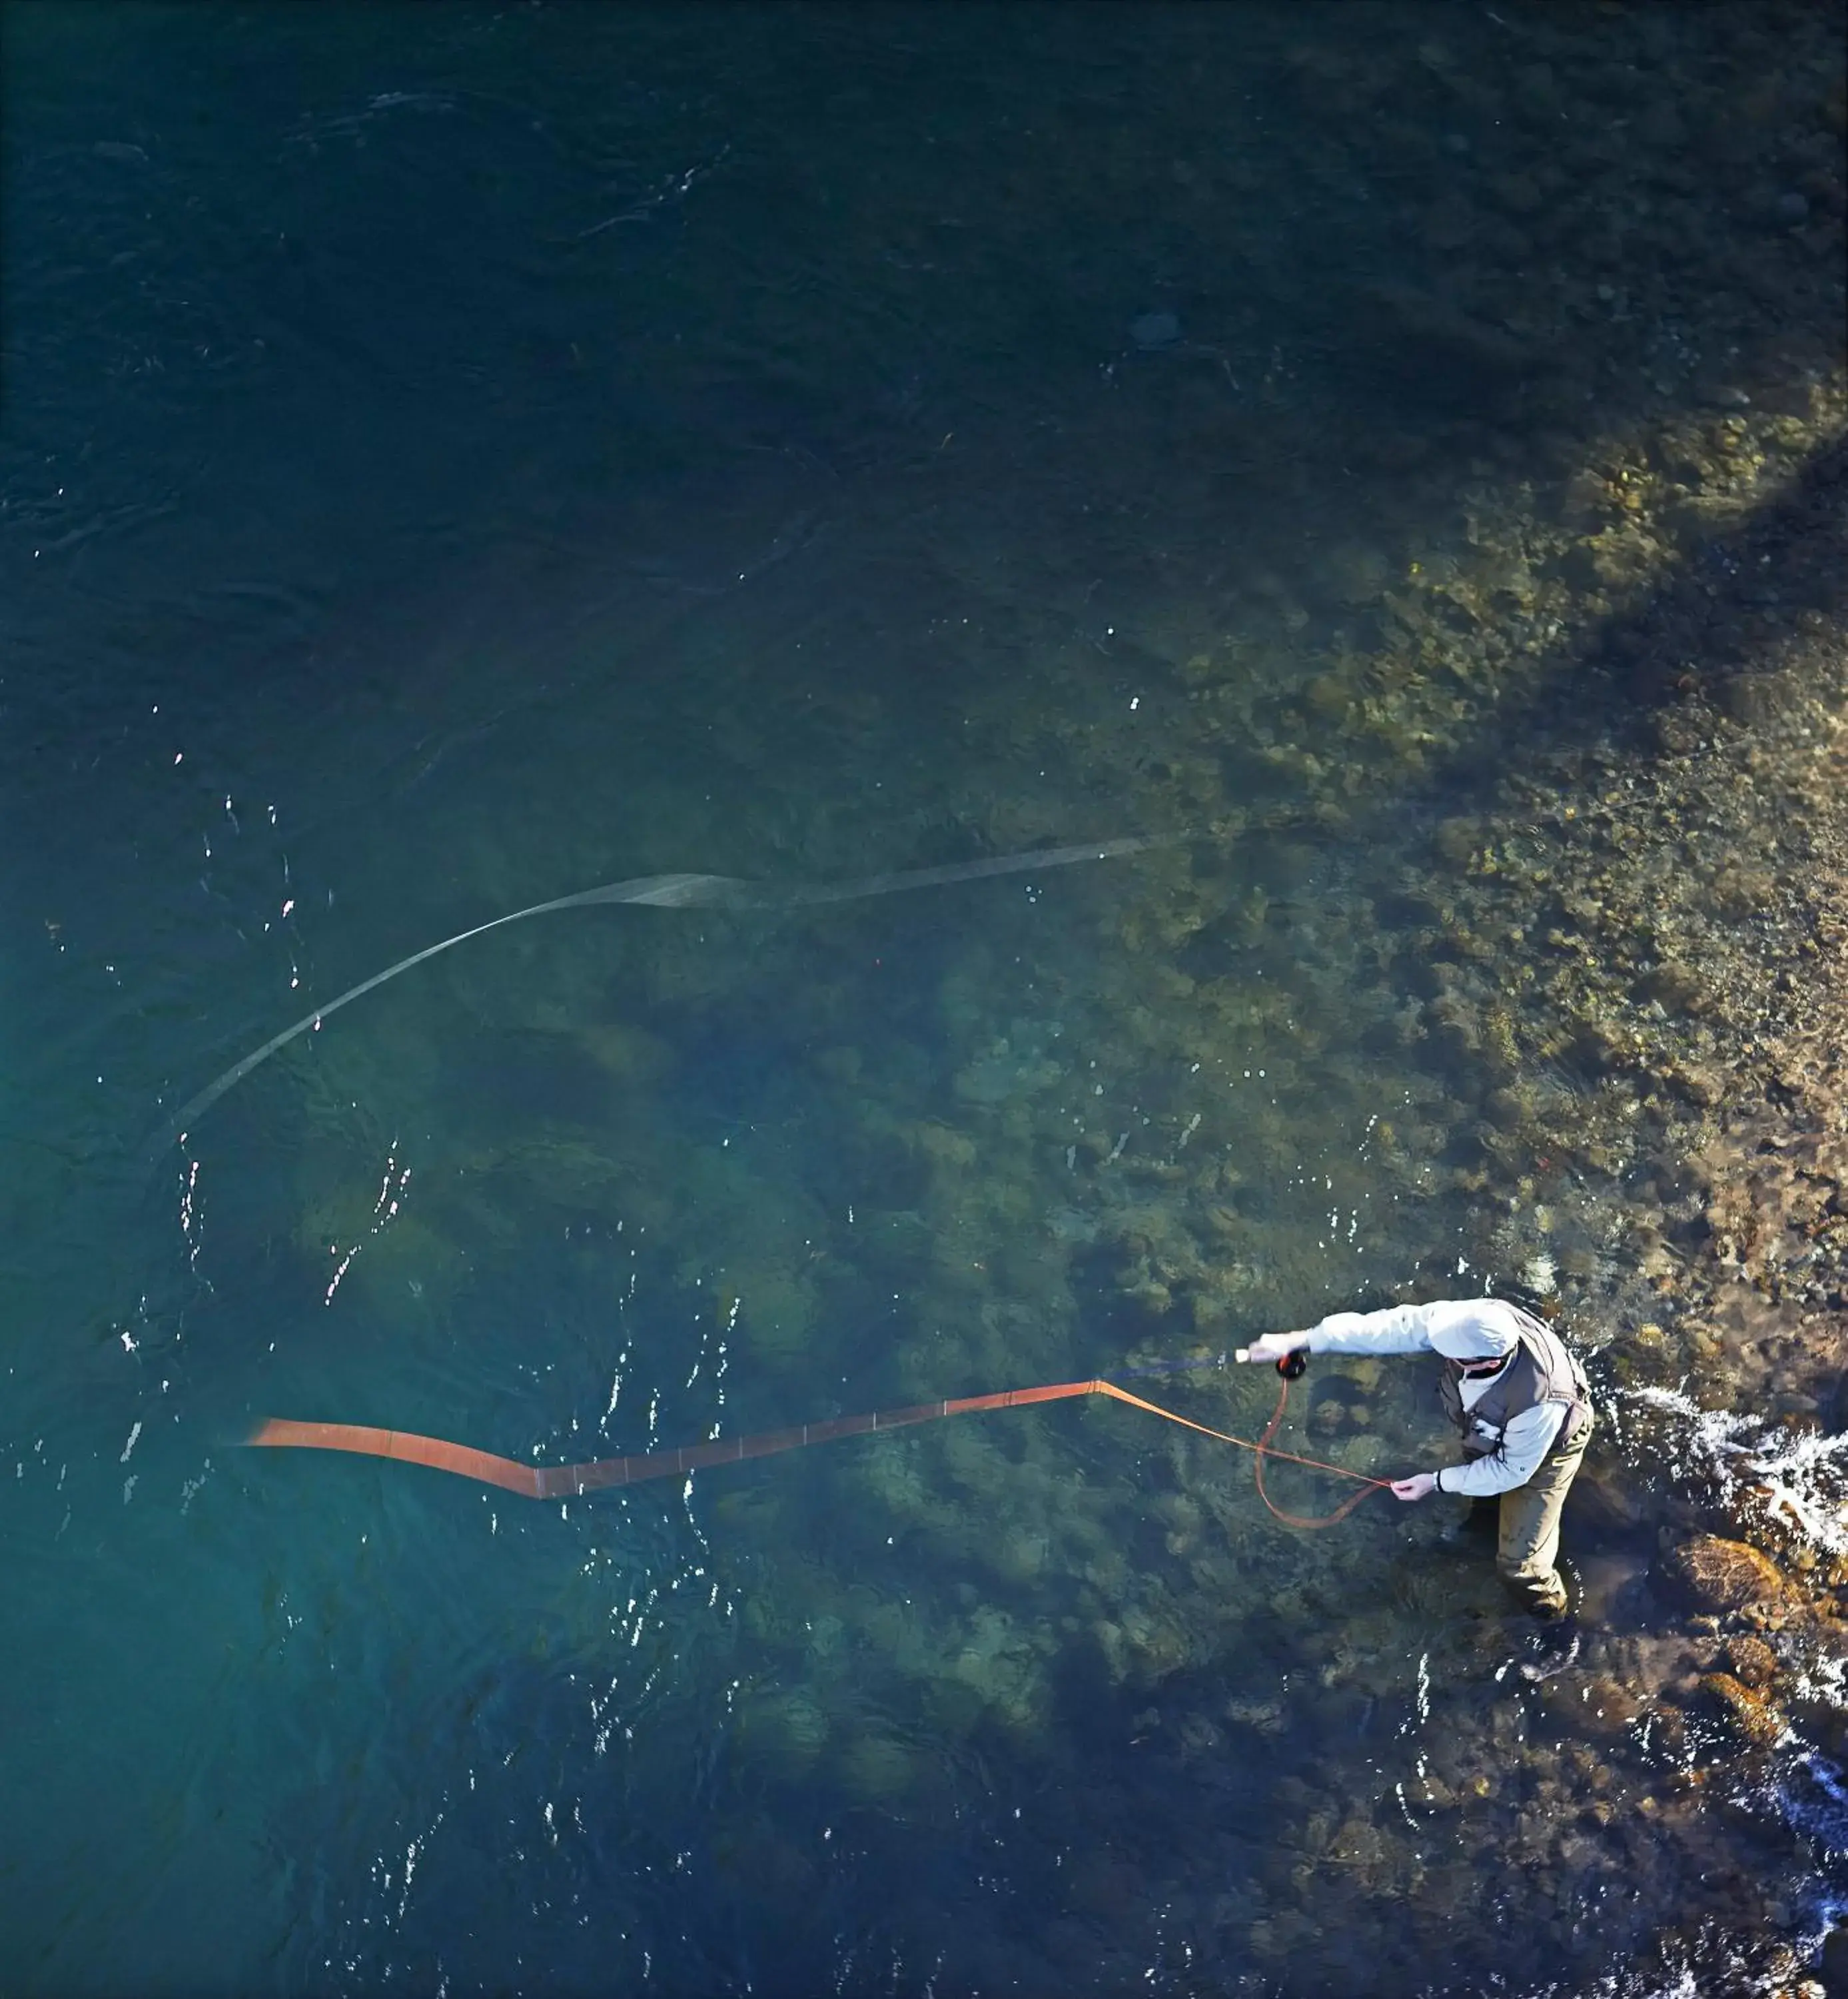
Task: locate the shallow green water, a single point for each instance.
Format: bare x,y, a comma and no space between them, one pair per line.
453,457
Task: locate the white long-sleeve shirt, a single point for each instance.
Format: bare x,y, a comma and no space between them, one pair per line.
1407,1329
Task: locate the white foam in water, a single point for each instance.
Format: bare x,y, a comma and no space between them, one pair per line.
1801,1477
1813,1797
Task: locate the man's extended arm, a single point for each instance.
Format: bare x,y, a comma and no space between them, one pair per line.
1398,1329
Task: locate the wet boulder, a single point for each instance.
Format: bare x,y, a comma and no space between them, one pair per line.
1715,1575
1751,1660
1597,1705
1749,1708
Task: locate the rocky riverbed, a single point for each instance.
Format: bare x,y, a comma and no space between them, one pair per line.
1598,977
1632,934
1511,953
1394,457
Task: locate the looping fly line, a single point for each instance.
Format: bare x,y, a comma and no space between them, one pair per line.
675,892
564,1481
731,892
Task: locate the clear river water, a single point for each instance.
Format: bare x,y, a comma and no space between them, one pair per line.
451,456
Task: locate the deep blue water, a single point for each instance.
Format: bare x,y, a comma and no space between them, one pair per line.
454,455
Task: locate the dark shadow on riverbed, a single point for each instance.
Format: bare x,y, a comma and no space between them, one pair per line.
1705,636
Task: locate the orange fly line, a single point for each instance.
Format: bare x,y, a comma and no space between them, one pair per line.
560,1481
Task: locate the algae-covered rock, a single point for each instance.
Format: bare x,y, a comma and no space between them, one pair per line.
401,1259
1018,1554
1675,988
1006,1069
1365,1453
877,1767
1751,1660
1597,1705
1750,1709
1357,1843
943,1146
785,1728
1714,1575
775,1312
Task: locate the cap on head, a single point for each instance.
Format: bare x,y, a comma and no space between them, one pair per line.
1471,1340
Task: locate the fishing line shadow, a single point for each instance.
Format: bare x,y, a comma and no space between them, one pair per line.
661,892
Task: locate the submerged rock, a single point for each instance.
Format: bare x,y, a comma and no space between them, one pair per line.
785,1728
1153,329
1751,1660
1713,1574
1749,1708
1600,1705
877,1766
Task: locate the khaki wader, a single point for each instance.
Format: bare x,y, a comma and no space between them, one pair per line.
1527,1552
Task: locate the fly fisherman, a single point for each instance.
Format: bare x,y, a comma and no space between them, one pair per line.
1518,1399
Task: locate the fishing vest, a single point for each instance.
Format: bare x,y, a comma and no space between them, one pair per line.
1542,1370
